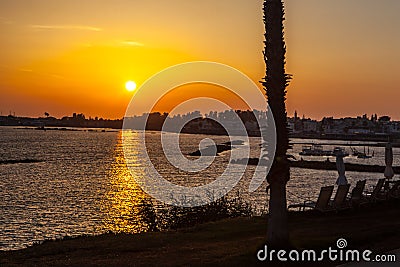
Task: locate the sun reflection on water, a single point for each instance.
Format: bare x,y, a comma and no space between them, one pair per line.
126,207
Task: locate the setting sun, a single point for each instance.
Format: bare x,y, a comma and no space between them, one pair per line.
130,86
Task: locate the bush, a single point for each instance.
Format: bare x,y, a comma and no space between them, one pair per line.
174,217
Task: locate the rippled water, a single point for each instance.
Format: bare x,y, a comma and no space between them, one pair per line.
82,184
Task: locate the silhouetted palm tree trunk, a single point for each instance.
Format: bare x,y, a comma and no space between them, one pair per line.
275,84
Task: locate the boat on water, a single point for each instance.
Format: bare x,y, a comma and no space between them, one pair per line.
313,150
340,151
362,155
318,150
355,152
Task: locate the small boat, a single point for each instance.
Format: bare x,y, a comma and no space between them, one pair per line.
313,150
340,151
355,152
363,155
317,150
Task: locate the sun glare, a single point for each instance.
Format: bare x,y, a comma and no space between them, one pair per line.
130,86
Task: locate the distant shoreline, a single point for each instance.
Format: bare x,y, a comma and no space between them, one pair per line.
382,140
193,127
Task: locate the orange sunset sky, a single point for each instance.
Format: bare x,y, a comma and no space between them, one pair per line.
70,56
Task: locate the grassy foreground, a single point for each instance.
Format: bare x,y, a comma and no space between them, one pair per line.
232,242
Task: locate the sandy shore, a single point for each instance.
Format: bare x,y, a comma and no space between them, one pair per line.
232,242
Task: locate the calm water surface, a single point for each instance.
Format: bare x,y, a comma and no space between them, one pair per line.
83,187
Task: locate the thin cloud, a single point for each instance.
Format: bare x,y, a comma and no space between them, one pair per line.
5,67
66,27
131,43
4,20
26,70
53,75
57,76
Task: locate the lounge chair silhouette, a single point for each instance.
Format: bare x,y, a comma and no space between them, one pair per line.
377,193
357,196
322,203
394,191
339,201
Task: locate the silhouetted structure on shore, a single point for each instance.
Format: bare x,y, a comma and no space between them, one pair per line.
195,122
77,120
360,128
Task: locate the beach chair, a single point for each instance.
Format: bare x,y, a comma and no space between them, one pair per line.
357,197
386,187
339,201
394,191
322,203
377,193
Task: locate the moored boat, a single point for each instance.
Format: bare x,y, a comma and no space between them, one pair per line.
318,150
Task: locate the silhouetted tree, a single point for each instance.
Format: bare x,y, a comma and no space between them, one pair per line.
47,114
275,84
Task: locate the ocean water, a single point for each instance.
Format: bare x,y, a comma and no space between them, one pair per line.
82,185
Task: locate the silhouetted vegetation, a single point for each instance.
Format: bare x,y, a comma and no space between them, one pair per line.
174,217
77,120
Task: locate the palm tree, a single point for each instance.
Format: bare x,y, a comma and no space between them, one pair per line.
275,84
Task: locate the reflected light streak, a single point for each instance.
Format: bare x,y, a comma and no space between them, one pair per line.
126,207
